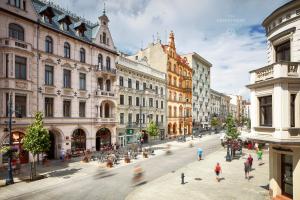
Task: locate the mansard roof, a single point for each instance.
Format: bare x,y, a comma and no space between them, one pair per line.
73,20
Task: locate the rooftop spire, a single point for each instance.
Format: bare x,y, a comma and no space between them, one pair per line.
171,40
104,11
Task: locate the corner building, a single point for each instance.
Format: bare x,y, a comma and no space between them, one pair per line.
179,83
62,65
275,101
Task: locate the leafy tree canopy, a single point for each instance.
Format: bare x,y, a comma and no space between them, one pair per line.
152,129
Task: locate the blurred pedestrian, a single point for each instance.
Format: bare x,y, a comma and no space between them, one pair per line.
218,171
247,169
62,154
259,154
199,152
250,160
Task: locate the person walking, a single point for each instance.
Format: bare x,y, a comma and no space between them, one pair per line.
247,169
218,170
250,160
199,152
259,154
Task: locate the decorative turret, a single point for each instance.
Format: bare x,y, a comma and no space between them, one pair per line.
104,19
171,40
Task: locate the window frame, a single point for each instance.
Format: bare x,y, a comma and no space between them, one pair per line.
20,68
48,44
265,102
49,73
82,85
82,55
67,50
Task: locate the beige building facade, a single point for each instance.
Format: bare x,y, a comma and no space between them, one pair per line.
275,100
62,65
142,98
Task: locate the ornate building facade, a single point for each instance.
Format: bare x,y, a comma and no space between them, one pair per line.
179,83
62,65
275,101
142,98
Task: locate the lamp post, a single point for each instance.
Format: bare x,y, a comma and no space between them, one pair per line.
10,179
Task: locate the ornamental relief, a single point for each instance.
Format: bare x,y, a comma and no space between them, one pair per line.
21,85
292,68
264,74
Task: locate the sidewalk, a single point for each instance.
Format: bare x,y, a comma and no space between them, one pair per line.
58,167
200,182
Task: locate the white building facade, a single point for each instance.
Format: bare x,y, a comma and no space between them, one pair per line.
201,91
275,100
141,99
61,65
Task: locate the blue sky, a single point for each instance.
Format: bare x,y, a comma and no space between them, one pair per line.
227,33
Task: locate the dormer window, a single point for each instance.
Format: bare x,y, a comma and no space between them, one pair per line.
80,28
65,22
47,14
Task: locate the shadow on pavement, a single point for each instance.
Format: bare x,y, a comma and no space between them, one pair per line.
65,172
266,187
104,174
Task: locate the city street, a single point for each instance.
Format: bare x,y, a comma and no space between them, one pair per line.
93,182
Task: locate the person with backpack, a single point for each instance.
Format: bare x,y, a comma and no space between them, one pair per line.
218,170
247,169
250,160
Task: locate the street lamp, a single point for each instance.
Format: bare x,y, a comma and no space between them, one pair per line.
10,178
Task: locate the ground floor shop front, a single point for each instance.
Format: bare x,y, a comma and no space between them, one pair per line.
72,139
285,170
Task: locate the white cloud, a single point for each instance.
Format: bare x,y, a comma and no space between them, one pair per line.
217,30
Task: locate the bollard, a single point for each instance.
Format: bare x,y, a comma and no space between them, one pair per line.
182,178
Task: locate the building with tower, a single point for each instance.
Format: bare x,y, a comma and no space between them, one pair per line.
62,65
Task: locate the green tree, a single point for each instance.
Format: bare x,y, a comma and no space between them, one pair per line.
36,140
231,130
152,129
214,122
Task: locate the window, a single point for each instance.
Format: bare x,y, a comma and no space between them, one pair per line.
156,103
82,81
49,44
100,83
48,107
144,102
67,50
162,119
137,101
161,104
108,85
283,52
65,26
137,118
156,119
129,118
82,109
108,63
162,91
121,118
137,85
67,78
129,83
144,86
156,89
121,99
104,37
20,105
130,100
265,111
6,65
150,86
100,61
82,55
67,108
144,118
293,97
121,81
48,75
20,68
16,32
150,102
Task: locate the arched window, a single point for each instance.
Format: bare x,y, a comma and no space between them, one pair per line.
108,63
82,55
49,44
78,141
107,85
16,31
175,112
100,60
104,37
67,50
106,110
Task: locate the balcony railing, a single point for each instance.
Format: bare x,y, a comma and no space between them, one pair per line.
277,70
11,42
105,69
105,93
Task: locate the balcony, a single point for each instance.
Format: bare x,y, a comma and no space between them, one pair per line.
109,120
102,93
13,43
103,70
277,70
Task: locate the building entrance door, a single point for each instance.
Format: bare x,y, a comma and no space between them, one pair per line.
287,175
122,141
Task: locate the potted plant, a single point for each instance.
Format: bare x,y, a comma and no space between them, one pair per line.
145,154
109,163
126,159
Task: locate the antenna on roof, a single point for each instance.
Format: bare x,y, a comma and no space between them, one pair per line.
104,11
